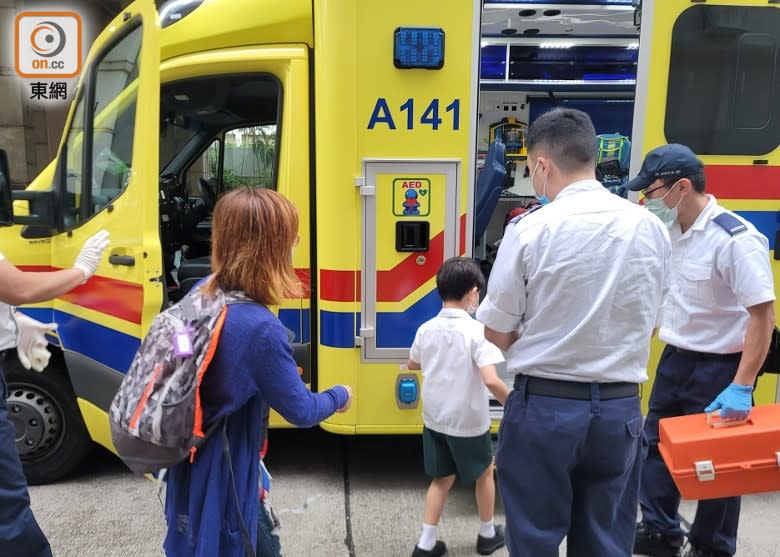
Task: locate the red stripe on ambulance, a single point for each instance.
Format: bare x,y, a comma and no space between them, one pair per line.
406,277
749,181
340,286
116,298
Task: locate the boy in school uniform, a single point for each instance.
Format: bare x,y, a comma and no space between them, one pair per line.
457,364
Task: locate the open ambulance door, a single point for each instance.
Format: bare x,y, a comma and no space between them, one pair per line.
107,179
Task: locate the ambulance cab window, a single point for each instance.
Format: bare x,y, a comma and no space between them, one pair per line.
114,119
724,79
106,147
75,165
250,157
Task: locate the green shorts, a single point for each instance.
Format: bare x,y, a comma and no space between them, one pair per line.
446,455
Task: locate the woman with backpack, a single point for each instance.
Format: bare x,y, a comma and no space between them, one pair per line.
212,508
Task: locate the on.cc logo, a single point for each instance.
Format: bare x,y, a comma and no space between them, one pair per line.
48,44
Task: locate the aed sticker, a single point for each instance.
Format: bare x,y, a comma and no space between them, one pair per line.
411,197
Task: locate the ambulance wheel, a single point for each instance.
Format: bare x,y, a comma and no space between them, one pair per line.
51,437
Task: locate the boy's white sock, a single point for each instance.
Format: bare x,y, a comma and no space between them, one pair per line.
428,537
487,529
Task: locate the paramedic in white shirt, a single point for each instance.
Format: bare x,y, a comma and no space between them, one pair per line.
573,299
717,324
19,532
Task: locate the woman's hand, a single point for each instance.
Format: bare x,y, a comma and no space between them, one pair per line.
349,399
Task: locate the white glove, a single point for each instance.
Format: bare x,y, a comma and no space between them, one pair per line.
32,342
89,257
39,358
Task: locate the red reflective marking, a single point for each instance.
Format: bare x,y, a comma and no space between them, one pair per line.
304,275
116,298
340,286
397,283
462,249
394,284
747,181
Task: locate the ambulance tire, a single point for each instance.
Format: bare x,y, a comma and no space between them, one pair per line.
52,438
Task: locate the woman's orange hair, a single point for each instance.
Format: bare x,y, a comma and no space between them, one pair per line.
252,236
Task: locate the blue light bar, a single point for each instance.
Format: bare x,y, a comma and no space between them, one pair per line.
418,47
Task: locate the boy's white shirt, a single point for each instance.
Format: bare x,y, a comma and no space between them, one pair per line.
450,349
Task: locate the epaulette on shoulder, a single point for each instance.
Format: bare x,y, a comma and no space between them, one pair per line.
731,224
518,218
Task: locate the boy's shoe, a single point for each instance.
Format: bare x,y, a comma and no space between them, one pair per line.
486,546
438,550
649,542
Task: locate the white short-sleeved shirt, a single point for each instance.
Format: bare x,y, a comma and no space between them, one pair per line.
715,276
450,349
8,330
582,281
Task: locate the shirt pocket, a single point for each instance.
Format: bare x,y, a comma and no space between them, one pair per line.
697,282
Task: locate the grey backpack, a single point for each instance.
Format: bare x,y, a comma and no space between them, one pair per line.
156,415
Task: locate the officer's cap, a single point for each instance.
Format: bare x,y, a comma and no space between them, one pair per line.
668,161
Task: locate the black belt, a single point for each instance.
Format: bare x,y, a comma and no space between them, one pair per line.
575,389
706,355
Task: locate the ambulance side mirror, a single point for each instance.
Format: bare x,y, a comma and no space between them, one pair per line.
6,202
40,217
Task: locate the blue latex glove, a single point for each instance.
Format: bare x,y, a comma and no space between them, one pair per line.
734,402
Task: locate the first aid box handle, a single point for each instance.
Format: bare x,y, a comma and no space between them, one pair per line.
714,420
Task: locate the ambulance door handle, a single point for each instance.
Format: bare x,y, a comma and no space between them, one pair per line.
126,260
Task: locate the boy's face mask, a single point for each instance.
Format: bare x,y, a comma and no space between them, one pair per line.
473,302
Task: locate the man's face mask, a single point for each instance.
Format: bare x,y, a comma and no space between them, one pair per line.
659,208
543,199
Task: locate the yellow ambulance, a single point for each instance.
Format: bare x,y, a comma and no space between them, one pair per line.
379,120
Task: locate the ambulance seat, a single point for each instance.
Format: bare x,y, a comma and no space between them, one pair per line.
490,184
191,271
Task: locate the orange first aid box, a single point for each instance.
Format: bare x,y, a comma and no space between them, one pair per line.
709,458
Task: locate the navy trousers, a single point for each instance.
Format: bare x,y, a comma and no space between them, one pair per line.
686,383
20,534
569,468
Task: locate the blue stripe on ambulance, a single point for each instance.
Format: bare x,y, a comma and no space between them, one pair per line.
767,222
397,329
394,329
102,344
295,320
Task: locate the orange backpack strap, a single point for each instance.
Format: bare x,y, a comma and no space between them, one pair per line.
197,428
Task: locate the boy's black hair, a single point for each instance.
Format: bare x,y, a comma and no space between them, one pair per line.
567,136
456,277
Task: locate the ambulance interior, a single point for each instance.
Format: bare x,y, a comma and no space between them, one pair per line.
215,133
535,57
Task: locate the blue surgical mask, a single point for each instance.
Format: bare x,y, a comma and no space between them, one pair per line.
543,199
668,215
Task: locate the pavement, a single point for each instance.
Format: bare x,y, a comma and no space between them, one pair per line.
335,496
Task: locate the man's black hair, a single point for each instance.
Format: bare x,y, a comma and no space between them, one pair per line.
456,278
698,181
567,136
